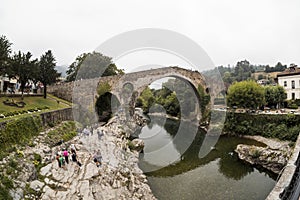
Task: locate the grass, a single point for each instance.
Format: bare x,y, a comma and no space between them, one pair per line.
53,103
31,103
58,99
66,131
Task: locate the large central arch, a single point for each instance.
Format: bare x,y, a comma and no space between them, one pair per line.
129,86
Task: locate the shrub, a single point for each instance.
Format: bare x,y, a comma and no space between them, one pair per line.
284,127
19,131
255,153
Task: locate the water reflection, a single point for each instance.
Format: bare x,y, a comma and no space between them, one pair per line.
222,163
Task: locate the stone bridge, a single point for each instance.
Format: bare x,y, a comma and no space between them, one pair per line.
129,86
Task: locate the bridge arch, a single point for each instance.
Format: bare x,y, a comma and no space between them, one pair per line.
192,111
140,80
84,93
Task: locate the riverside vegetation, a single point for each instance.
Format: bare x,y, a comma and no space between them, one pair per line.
283,127
25,150
29,170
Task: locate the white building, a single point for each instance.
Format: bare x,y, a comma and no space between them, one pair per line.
7,84
263,81
290,81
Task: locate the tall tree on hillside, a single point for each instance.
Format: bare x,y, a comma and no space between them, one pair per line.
278,68
47,72
92,65
74,67
21,66
243,70
4,54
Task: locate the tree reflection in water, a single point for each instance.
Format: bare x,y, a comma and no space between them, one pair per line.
229,164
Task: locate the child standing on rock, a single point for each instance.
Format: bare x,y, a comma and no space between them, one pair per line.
62,162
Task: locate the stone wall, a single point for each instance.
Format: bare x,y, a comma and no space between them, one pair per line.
287,175
62,90
56,116
51,117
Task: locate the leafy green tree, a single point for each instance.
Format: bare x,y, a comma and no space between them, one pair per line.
21,68
47,72
246,94
228,78
147,99
275,96
172,105
34,72
5,51
243,70
92,65
278,68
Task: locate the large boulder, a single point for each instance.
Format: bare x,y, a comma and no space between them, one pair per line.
271,159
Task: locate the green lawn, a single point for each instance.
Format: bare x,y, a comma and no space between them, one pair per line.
32,103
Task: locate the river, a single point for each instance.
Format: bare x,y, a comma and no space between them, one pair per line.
176,173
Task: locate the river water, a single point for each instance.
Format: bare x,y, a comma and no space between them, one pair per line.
175,171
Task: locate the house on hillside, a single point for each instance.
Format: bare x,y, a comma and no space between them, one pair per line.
289,79
263,81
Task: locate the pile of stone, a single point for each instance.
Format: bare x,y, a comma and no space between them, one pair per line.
267,157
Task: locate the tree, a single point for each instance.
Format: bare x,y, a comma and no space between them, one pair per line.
74,67
47,72
227,78
172,105
92,65
245,94
274,96
21,68
243,70
4,54
278,68
147,98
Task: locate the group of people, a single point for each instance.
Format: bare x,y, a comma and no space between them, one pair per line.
62,157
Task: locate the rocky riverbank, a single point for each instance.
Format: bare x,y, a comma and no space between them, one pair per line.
273,157
119,176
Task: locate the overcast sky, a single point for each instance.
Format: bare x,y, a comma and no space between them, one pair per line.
261,31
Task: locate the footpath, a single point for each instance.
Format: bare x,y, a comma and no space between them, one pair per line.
118,177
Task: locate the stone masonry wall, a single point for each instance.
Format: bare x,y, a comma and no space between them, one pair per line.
51,117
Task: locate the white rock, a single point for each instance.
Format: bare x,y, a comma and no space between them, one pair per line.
45,171
91,171
46,180
36,185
